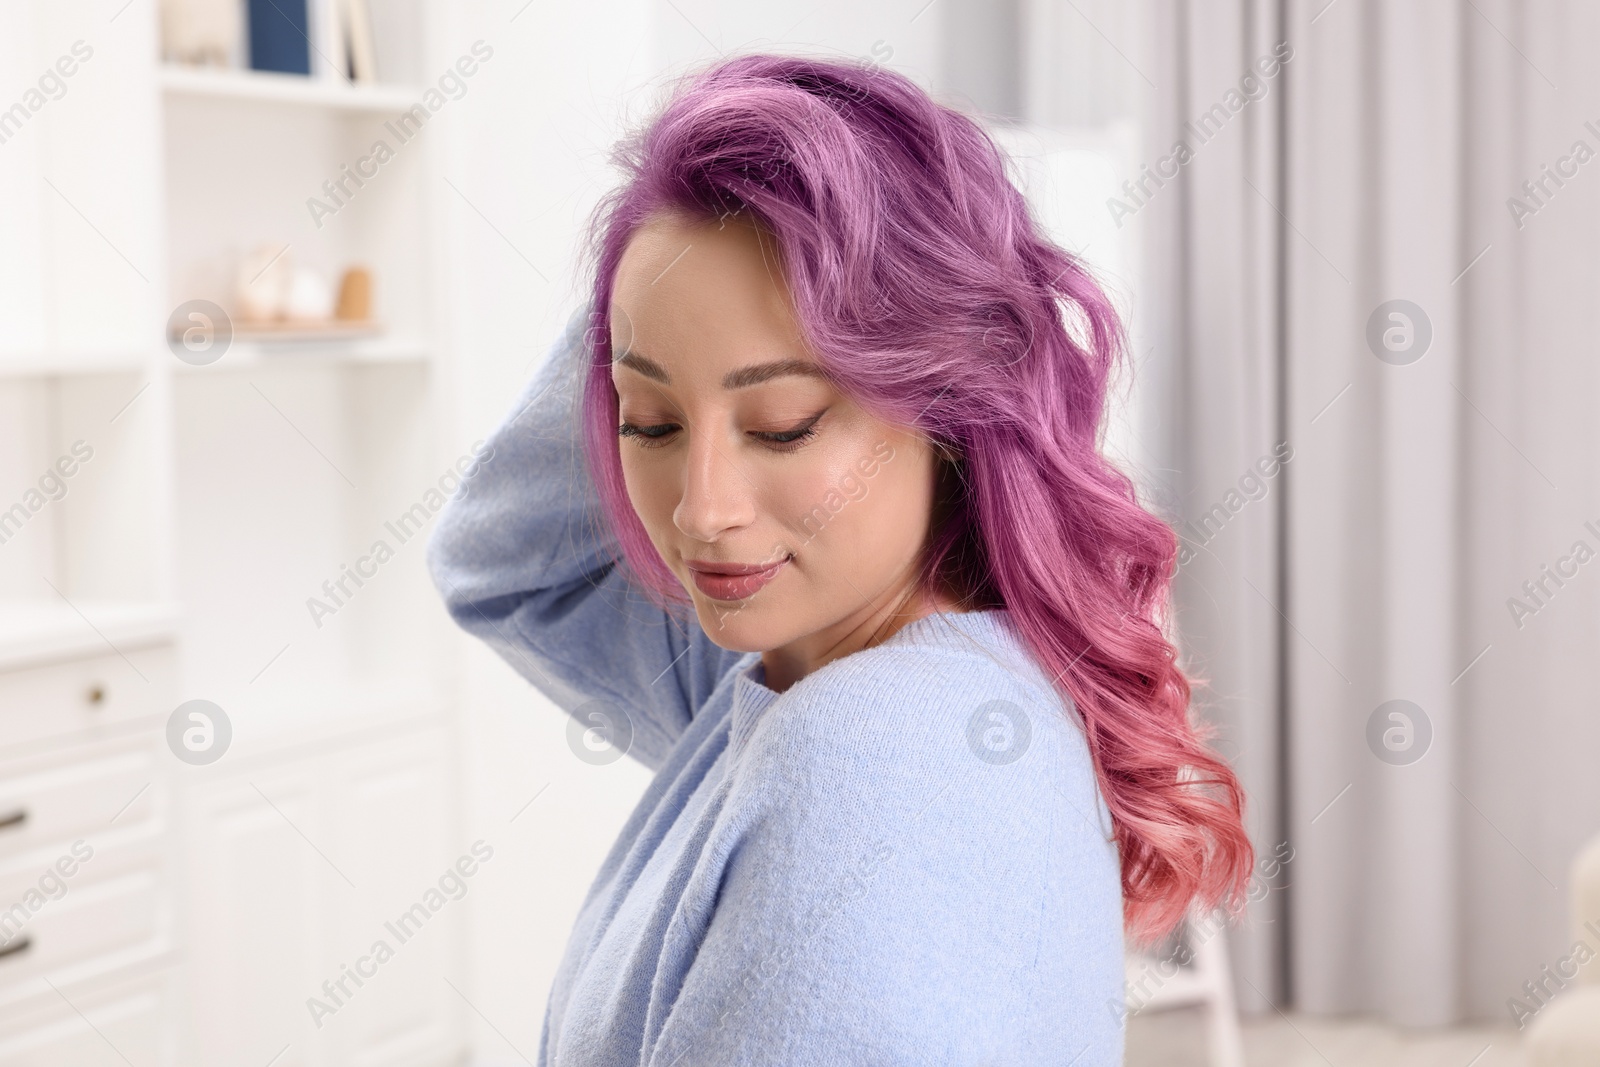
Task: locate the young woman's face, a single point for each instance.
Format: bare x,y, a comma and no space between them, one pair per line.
790,515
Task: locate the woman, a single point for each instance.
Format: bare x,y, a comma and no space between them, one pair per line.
842,564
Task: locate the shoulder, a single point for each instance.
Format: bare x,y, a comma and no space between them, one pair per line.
927,791
952,706
903,871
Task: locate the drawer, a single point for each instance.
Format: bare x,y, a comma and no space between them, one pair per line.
84,920
78,794
79,696
120,1024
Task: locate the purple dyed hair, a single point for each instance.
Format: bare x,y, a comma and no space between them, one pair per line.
927,292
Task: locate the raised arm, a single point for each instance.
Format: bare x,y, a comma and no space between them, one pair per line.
524,561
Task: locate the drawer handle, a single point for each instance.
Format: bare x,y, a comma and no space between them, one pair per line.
13,819
21,944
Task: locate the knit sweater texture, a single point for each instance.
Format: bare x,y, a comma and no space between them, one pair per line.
902,859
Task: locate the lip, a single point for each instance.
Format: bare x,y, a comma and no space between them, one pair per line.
733,581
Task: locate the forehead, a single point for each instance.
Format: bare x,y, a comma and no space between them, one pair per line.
710,289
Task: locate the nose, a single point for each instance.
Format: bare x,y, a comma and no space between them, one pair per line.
717,495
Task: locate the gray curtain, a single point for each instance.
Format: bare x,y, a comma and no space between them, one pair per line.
1395,618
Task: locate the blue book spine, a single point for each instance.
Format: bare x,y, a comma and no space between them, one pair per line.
280,36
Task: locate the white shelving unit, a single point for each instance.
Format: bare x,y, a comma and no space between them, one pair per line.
268,88
255,355
177,560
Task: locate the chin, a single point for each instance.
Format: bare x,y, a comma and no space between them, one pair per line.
747,627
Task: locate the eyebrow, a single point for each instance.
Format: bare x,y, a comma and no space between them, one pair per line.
741,378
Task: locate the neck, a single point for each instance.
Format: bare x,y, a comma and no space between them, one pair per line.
872,625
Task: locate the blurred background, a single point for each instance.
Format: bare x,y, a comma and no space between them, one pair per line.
270,270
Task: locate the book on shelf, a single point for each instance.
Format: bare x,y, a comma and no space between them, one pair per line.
279,35
346,41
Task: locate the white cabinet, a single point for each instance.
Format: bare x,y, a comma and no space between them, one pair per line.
298,868
392,820
86,846
251,917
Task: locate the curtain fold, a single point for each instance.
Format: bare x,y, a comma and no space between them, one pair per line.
1373,380
1214,388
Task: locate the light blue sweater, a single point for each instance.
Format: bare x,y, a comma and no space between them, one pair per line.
904,859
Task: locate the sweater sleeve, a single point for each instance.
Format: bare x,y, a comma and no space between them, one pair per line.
525,561
901,894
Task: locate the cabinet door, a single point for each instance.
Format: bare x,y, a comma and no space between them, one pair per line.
252,902
390,806
296,875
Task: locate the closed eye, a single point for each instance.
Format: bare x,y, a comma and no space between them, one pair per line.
789,440
647,436
658,434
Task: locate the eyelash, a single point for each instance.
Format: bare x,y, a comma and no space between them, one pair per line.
778,441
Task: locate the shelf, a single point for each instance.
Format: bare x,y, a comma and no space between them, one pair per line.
33,632
297,89
241,355
65,363
319,332
253,355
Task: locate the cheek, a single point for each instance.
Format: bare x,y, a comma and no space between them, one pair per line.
804,499
890,520
651,486
864,526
